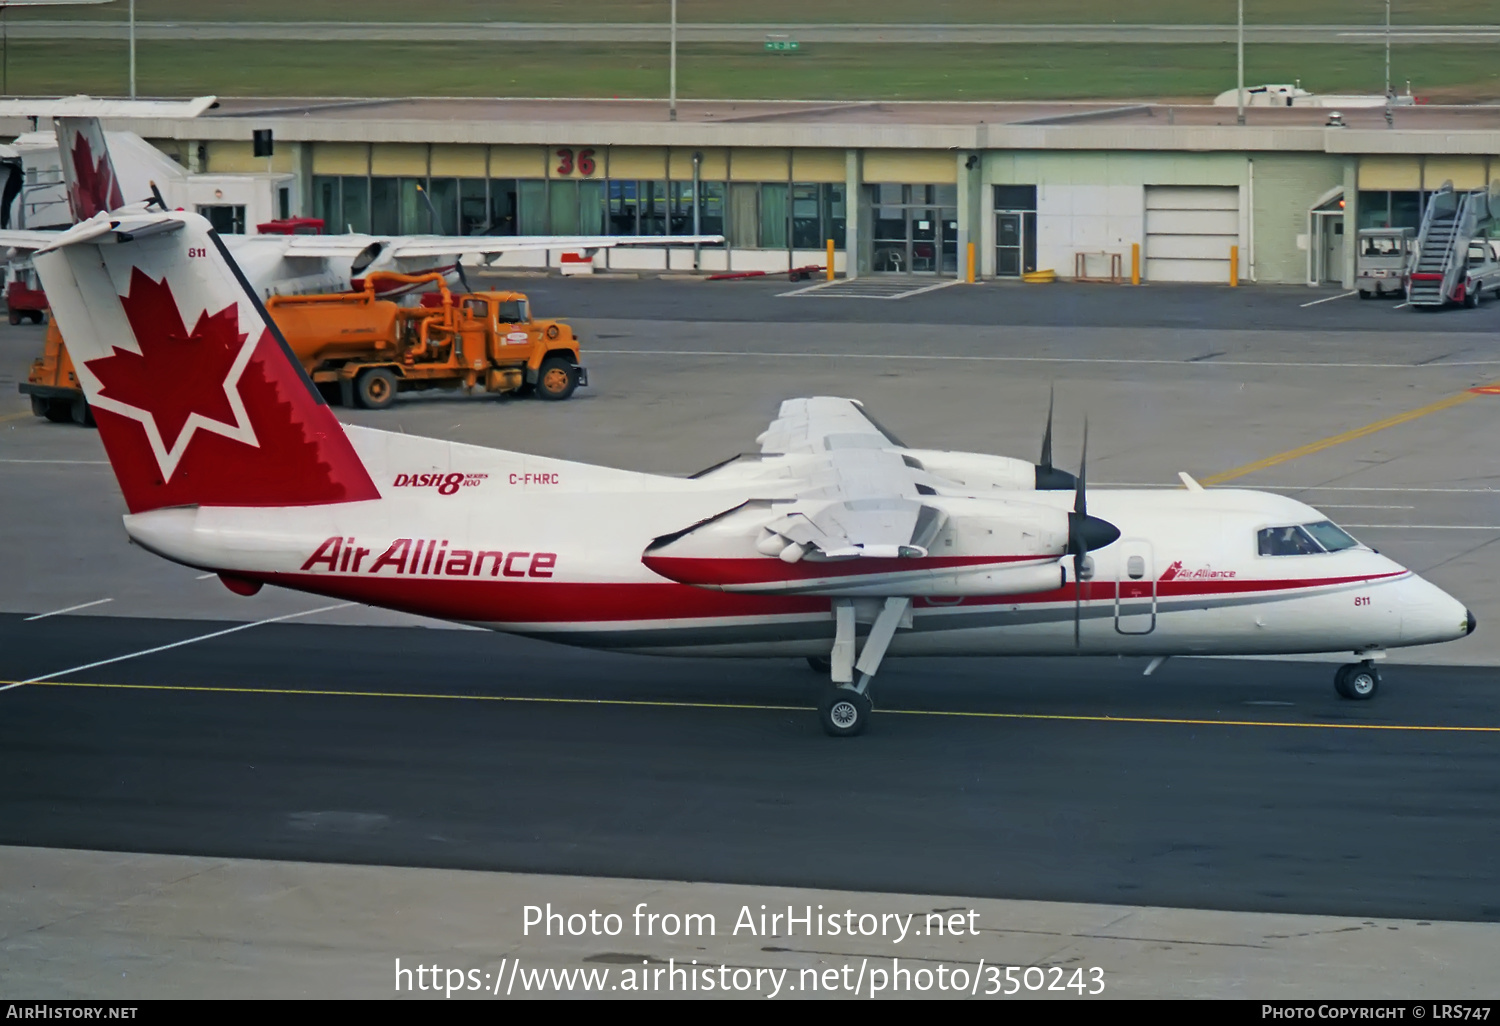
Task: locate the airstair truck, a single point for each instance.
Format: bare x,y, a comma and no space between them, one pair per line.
1455,261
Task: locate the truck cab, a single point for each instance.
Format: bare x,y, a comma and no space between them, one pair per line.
1380,265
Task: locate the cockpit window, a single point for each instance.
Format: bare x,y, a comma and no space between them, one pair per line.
1286,541
1330,536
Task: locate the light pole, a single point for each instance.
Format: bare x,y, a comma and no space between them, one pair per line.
672,75
132,49
1240,49
1388,50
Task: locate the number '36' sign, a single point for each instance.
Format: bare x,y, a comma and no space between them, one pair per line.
569,163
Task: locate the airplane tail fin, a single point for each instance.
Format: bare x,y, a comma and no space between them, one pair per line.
93,186
198,398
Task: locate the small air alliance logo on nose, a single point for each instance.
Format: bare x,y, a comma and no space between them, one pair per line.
181,381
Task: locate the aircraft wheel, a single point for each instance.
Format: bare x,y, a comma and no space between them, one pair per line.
820,664
375,388
1356,681
844,712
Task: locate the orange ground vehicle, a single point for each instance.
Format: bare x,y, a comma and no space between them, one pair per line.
362,350
52,385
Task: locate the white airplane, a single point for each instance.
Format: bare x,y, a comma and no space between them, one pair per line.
835,542
305,264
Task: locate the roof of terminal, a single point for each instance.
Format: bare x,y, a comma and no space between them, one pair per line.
1097,125
883,112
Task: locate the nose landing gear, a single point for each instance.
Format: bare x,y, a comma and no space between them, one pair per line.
1357,681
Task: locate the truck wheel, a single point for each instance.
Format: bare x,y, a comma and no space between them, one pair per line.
80,412
375,388
36,316
1471,298
557,379
59,411
15,317
39,406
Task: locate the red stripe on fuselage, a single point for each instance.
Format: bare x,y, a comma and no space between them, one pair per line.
561,602
768,569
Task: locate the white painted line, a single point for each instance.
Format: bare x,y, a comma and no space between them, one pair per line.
204,577
811,288
55,612
1330,299
1400,306
177,644
761,354
1309,488
926,288
1427,527
89,463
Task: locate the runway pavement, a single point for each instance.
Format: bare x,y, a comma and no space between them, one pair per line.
1224,784
1213,784
694,32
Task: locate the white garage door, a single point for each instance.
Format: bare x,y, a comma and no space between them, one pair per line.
1189,229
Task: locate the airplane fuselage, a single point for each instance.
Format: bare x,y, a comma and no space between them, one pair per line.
553,549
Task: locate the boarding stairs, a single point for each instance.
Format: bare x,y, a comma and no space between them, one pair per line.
1441,259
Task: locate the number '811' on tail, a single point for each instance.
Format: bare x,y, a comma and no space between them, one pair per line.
198,398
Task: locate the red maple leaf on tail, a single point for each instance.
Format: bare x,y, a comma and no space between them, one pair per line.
95,189
177,372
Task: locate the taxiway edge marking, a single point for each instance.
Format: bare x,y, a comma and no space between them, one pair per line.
176,644
1348,436
662,704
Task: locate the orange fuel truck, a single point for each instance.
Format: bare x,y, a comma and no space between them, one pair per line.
362,350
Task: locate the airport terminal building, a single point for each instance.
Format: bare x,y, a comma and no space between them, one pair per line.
898,187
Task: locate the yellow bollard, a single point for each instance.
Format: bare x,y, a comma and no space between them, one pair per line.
1135,263
830,260
970,277
1234,266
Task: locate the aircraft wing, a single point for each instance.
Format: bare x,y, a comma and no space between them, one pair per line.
824,424
26,241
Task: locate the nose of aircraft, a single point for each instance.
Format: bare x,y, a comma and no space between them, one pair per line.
1429,614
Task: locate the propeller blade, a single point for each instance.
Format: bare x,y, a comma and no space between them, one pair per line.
1048,477
463,279
1046,461
1080,559
1080,495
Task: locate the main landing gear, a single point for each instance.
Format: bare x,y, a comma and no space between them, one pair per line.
1358,681
846,705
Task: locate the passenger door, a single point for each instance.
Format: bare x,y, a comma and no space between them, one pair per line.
1135,587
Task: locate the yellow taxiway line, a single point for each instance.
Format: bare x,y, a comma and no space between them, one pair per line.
646,703
1350,436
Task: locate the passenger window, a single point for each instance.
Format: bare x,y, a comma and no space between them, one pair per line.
477,308
1286,541
1135,567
